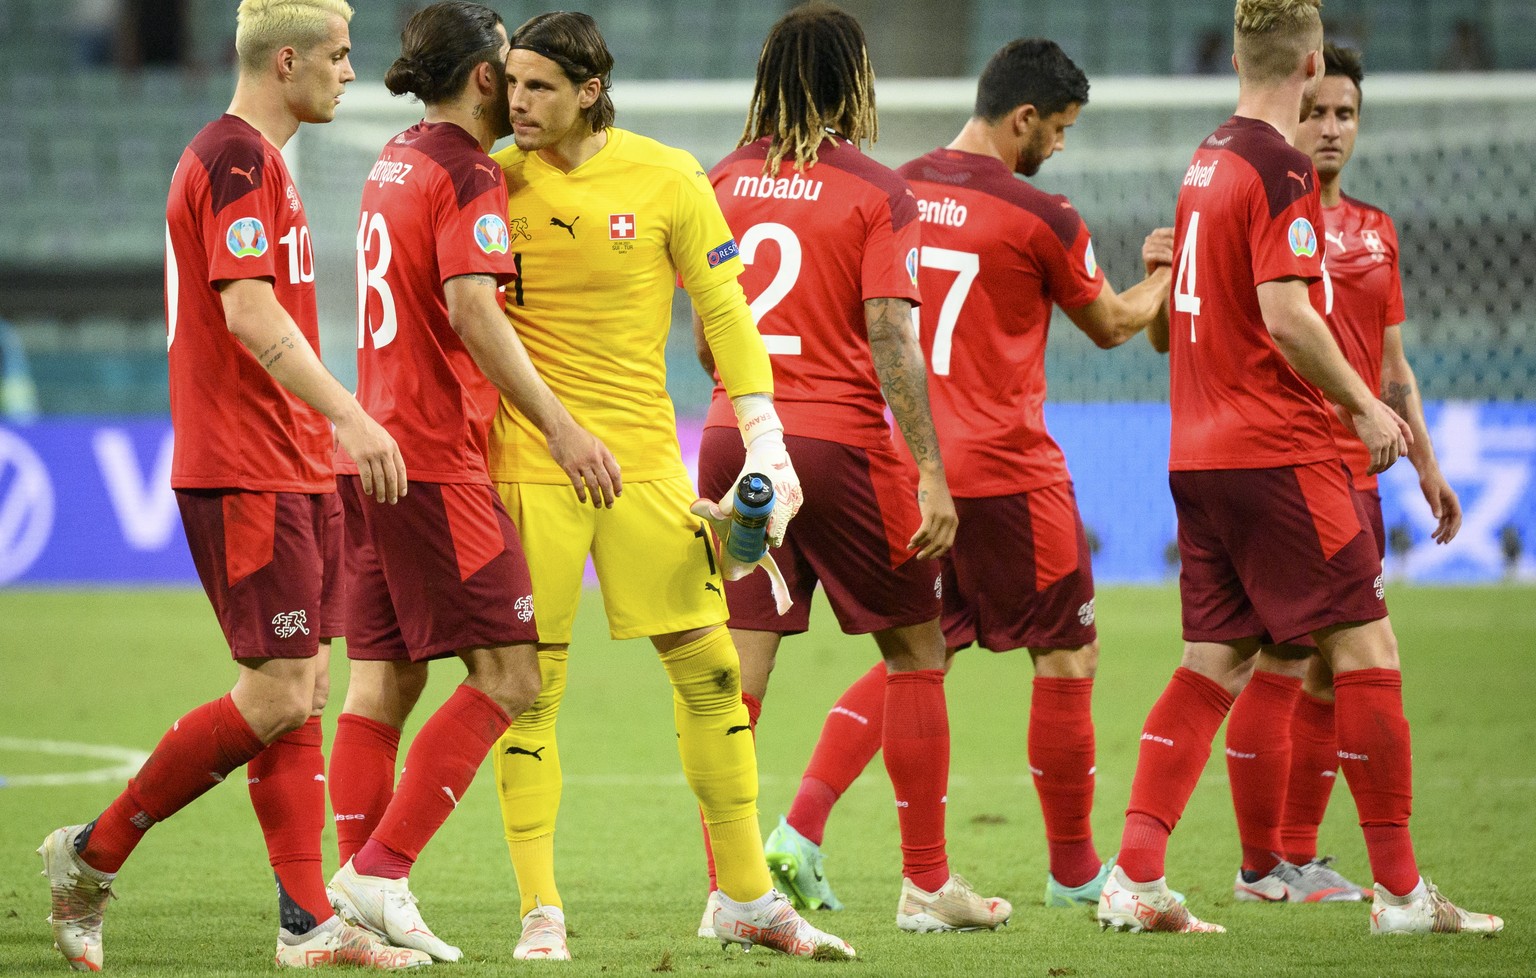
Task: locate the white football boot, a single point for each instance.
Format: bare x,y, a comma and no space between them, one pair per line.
707,922
79,896
954,906
387,908
1138,907
775,925
337,942
1427,911
543,936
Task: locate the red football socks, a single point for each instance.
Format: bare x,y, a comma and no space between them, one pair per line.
1314,765
439,767
198,752
916,745
850,738
1376,758
1259,764
287,785
1061,760
754,710
1175,744
362,778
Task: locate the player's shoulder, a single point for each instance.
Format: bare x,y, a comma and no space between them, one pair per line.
932,174
1284,172
234,157
1366,212
879,180
449,150
653,160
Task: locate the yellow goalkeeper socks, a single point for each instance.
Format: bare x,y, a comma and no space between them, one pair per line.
527,760
714,739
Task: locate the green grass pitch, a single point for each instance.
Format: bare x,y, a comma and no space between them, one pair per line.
115,668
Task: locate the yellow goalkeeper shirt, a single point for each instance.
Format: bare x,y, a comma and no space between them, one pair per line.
599,251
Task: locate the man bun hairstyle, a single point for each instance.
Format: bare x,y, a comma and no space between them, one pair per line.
1029,71
439,48
1347,62
813,76
263,26
572,41
1270,37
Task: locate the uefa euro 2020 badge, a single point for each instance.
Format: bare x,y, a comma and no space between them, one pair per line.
1302,238
491,234
246,238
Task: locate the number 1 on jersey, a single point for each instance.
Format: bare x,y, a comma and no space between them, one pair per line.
1184,297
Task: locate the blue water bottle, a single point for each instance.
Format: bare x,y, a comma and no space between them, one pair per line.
747,540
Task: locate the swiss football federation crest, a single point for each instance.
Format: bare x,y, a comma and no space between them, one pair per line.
287,624
621,227
722,253
491,234
246,238
1302,238
524,608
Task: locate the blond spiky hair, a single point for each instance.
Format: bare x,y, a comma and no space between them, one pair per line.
1270,37
263,26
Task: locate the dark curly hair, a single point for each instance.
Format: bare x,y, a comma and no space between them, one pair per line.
1029,71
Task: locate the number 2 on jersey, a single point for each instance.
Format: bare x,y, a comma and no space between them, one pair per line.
791,256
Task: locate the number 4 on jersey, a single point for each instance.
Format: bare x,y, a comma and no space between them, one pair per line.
1184,297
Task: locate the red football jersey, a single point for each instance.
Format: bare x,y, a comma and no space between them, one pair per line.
997,253
815,245
434,207
1248,213
233,213
1367,300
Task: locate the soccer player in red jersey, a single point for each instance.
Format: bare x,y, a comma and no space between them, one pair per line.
997,254
252,408
443,572
830,242
1273,537
1366,310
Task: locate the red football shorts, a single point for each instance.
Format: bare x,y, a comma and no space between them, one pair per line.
1274,553
333,590
1020,574
851,536
440,571
1372,499
259,556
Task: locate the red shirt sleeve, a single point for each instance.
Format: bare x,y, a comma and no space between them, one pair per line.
1287,244
473,239
1395,311
238,240
1071,271
889,268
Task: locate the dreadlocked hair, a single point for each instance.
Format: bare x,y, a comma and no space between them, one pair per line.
813,76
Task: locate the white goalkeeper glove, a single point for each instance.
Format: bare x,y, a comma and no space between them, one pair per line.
732,569
762,433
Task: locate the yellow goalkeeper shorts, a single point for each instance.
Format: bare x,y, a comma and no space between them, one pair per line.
655,561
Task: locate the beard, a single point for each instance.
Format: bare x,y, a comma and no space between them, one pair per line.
501,107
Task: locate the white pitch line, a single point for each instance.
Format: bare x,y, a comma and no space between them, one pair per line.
128,762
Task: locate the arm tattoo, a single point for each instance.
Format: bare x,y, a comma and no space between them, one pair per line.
903,376
272,354
479,278
1396,396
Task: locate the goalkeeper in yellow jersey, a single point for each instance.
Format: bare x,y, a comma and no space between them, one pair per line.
603,222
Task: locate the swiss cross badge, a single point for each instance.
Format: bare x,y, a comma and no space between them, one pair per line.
621,227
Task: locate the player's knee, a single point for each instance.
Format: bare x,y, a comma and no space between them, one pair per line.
1079,663
289,711
509,676
321,694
